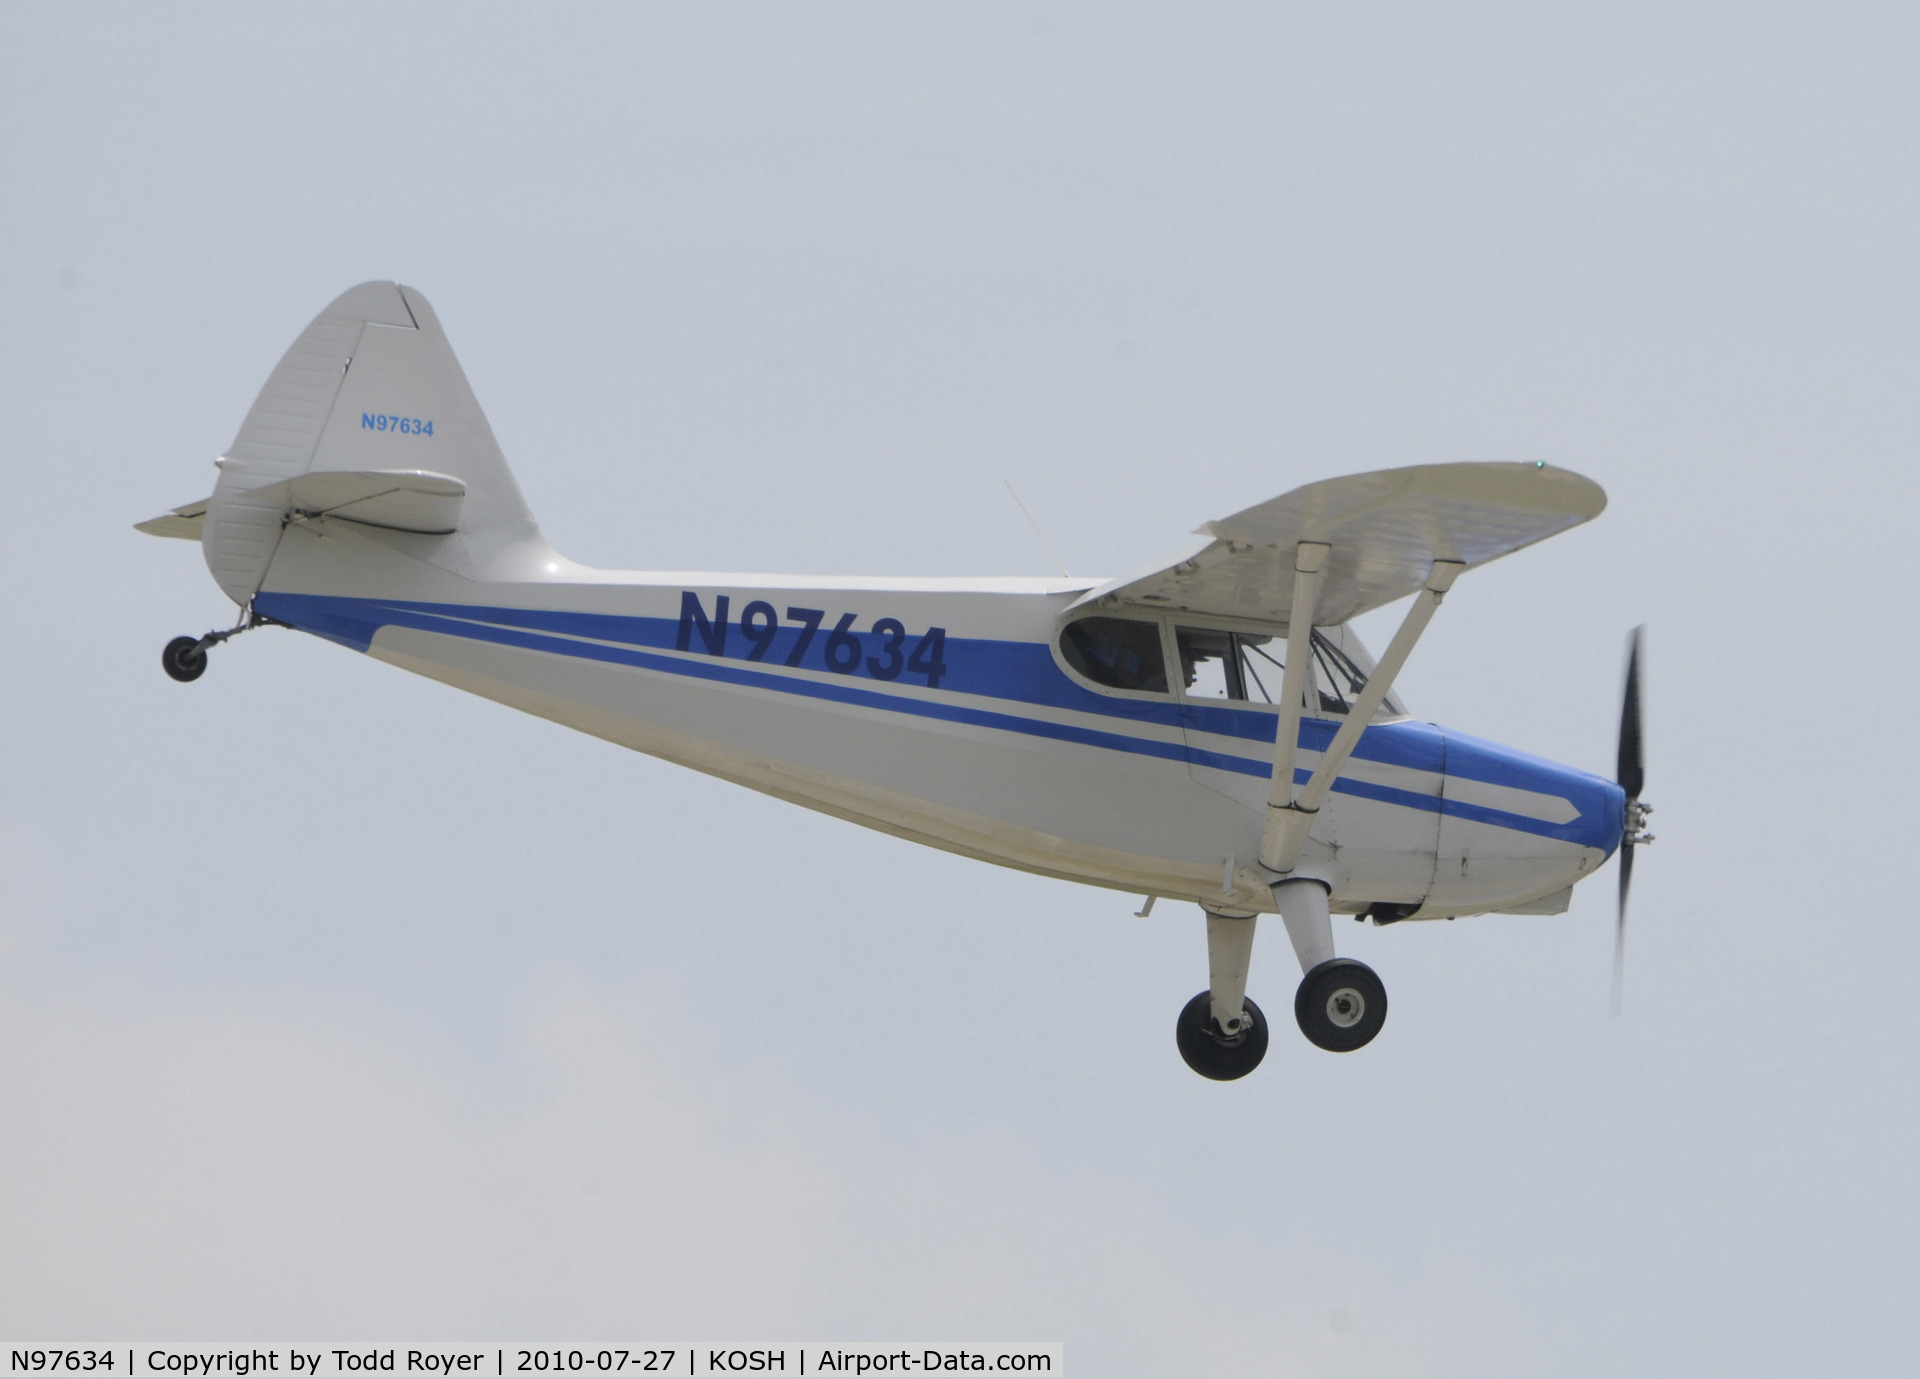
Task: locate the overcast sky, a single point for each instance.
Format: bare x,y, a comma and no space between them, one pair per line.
337,1005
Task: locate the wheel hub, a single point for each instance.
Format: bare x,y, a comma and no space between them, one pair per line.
1346,1007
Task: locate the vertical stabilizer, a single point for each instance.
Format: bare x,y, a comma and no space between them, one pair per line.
371,385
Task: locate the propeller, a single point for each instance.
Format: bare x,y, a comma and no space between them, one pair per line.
1631,772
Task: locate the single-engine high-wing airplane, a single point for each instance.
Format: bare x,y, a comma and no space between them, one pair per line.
1208,730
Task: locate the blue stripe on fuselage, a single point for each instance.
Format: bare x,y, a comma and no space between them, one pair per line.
1022,673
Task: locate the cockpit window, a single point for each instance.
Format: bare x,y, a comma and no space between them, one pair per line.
1211,665
1217,664
1121,653
1341,679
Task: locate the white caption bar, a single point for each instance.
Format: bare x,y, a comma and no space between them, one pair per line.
123,1361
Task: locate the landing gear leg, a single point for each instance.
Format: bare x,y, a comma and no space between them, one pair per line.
1341,1004
1221,1034
1303,909
185,658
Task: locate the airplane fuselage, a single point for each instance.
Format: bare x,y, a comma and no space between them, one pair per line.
943,711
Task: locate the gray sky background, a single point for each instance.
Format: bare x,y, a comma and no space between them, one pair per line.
334,1004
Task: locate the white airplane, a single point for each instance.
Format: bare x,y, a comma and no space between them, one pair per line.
1208,729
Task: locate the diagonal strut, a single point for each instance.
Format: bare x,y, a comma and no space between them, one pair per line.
1289,817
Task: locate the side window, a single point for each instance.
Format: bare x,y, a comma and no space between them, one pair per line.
1120,653
1216,664
1262,665
1249,666
1209,663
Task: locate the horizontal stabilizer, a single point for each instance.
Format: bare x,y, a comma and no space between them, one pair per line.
183,522
416,500
1385,530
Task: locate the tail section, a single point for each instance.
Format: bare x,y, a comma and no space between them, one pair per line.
370,388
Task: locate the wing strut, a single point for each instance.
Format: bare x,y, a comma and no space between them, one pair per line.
1289,817
1308,557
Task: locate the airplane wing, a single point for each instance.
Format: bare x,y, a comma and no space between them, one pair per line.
1385,529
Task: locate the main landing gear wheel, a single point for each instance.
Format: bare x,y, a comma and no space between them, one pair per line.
184,659
1341,1005
1222,1057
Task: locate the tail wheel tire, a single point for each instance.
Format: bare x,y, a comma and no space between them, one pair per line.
1341,1005
1222,1057
183,659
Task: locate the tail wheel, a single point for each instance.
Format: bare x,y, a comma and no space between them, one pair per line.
183,659
1341,1005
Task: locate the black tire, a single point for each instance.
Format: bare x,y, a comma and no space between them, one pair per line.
1213,1054
183,659
1340,1005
